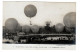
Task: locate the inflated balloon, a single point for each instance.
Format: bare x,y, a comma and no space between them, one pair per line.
35,28
30,10
11,24
59,27
19,28
25,28
70,19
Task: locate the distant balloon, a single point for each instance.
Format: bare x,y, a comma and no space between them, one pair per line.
25,28
30,10
19,28
59,27
35,28
70,19
11,24
48,22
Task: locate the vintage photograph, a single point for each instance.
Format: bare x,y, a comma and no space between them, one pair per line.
39,22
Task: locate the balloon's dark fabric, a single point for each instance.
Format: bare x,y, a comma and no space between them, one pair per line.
25,28
59,27
35,28
11,24
70,19
30,10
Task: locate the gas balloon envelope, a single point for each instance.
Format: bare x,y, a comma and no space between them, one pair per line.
19,28
30,10
25,28
11,24
70,21
59,27
35,28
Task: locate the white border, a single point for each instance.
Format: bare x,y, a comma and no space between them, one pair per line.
38,47
45,0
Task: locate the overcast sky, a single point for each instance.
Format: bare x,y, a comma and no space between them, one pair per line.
46,11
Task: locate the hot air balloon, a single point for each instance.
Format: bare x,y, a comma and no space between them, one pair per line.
11,24
35,28
30,11
70,21
26,28
59,27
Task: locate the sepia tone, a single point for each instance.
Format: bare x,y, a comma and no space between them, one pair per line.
39,23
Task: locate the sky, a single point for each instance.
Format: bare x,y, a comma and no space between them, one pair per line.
46,11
